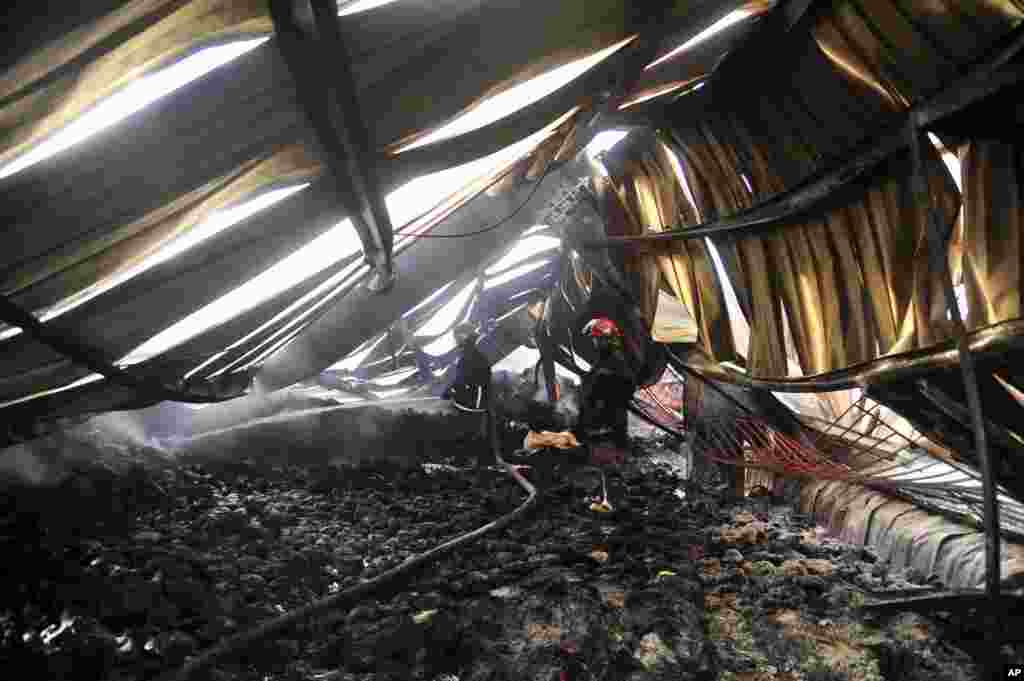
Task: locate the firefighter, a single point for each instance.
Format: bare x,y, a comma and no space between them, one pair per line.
606,394
471,391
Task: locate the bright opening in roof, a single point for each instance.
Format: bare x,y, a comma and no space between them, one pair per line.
951,160
730,19
446,316
442,345
604,141
91,378
518,97
130,99
327,249
737,320
523,358
331,247
524,249
430,299
322,294
677,168
419,196
357,6
213,225
655,92
515,273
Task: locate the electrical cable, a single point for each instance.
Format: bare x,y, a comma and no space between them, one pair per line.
547,169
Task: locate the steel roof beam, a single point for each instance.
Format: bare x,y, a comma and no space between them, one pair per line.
93,359
322,69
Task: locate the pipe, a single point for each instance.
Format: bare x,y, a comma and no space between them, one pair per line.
938,248
92,358
994,340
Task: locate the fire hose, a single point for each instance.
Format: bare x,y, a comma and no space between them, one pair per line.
386,584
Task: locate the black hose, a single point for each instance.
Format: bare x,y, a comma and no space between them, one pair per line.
387,583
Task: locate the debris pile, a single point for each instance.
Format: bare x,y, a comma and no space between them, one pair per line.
126,577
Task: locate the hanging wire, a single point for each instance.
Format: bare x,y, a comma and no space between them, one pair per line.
498,225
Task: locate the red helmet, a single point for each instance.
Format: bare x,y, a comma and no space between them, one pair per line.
602,327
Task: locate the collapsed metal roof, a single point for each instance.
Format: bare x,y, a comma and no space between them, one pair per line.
202,193
160,159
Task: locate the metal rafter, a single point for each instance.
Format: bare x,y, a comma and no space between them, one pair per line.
322,70
938,247
985,80
93,359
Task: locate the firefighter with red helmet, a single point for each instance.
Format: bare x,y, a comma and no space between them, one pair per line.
606,394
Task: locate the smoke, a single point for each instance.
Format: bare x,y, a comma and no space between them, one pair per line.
113,441
122,426
26,464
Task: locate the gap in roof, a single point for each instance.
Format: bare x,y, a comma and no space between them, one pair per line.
357,6
442,345
524,249
730,19
951,160
653,93
425,193
677,168
737,320
91,378
515,273
319,294
444,318
324,293
131,98
429,299
208,228
327,249
604,141
517,97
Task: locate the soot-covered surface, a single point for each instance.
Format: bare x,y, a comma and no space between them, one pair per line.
124,576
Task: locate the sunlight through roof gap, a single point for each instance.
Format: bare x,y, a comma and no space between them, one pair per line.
517,97
446,316
730,19
131,98
208,228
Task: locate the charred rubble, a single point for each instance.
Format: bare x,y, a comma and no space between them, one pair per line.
125,573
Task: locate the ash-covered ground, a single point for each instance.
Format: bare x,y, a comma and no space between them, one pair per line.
125,574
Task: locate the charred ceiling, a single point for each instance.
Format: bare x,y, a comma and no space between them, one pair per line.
200,193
